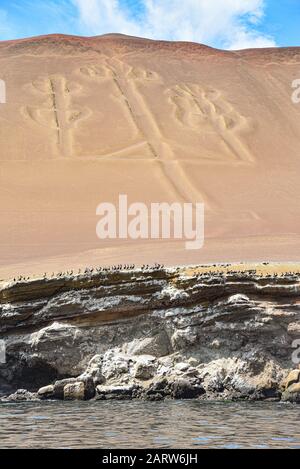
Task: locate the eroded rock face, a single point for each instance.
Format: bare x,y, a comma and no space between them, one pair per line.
223,336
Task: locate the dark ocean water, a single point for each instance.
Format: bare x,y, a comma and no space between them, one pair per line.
137,424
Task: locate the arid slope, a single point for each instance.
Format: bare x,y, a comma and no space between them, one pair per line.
87,119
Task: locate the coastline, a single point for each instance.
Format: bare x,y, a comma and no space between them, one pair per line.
214,332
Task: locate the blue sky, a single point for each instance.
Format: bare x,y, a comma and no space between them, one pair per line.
228,24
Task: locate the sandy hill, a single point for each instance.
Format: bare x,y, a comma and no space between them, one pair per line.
88,119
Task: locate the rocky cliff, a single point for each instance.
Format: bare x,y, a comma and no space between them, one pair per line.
207,332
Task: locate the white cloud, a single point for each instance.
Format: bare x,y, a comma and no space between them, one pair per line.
244,39
106,16
230,24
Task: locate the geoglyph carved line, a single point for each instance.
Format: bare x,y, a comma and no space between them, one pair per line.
206,111
127,81
137,73
151,131
56,111
96,71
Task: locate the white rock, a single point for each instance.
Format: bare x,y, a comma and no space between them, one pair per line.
238,299
46,391
172,293
182,366
115,364
145,367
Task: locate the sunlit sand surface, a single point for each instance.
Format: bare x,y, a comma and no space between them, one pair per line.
89,119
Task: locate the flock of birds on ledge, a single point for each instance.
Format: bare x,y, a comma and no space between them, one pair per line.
97,270
159,267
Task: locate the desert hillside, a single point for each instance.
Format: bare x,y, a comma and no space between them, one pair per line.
87,119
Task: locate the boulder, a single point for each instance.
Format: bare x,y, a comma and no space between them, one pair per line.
293,378
89,387
292,394
116,392
47,392
58,336
74,392
56,390
61,388
145,367
183,389
182,367
294,388
158,390
60,385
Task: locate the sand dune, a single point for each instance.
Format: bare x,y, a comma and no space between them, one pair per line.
88,119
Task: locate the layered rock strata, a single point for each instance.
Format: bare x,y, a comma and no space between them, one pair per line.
192,332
